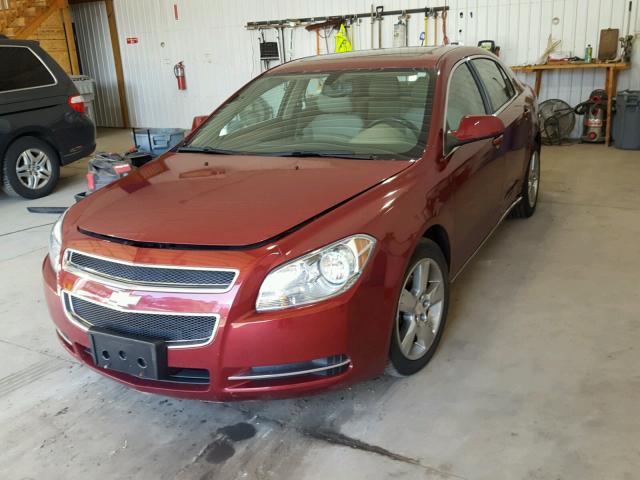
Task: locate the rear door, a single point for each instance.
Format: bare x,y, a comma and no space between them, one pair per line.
476,170
503,102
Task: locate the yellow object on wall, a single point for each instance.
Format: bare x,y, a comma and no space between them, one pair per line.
342,41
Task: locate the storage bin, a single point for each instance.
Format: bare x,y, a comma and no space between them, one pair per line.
626,121
157,140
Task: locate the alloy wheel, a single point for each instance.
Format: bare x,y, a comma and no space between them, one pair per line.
533,179
420,309
33,168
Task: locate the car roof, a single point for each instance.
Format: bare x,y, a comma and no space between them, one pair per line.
403,57
19,43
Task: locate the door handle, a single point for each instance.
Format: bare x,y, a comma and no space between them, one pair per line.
498,141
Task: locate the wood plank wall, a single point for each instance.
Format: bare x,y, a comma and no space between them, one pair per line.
53,39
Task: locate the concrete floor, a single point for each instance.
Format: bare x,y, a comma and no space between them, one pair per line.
536,377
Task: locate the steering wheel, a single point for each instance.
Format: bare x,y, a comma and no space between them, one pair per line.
402,121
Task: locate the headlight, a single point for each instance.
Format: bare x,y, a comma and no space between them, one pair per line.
55,243
321,274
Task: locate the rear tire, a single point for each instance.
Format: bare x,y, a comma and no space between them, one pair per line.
530,188
421,312
31,168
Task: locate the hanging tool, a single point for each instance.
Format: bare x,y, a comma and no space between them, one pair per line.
379,18
292,25
400,31
281,44
326,27
445,39
627,41
354,32
342,41
372,22
291,43
435,27
427,14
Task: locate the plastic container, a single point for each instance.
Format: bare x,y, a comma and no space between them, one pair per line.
87,88
106,168
626,121
157,140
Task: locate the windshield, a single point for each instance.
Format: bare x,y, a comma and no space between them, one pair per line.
377,114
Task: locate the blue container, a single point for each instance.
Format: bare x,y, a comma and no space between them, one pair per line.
157,140
626,122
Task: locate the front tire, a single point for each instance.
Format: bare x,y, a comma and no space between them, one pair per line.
421,312
31,168
527,206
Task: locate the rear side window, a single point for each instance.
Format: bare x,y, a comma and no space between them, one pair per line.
496,82
464,97
22,69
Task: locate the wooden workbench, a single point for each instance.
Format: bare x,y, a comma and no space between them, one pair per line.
611,79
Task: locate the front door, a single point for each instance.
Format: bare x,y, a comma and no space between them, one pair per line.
476,172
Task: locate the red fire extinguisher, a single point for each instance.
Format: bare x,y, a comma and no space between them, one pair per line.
178,71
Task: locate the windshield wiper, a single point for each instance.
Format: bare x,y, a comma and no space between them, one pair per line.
209,150
296,153
323,153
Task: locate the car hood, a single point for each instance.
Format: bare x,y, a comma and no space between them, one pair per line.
223,200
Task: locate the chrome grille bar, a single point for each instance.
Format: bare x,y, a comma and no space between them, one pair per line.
121,273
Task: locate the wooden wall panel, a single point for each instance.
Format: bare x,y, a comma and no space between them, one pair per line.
52,37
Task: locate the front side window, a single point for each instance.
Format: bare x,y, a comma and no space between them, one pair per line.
464,97
22,69
496,82
381,114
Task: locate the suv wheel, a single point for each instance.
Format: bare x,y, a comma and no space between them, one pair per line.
30,169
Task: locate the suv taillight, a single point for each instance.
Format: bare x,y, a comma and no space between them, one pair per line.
77,103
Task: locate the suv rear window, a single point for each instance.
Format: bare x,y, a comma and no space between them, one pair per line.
21,69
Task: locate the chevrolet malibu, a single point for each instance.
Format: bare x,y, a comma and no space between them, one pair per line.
306,234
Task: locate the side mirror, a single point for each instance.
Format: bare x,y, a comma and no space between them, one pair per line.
473,128
197,121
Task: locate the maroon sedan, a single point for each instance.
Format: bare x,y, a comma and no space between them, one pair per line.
305,236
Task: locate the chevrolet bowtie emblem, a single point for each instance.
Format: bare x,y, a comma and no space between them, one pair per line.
124,299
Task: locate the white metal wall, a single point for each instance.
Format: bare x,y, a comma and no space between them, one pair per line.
96,58
220,54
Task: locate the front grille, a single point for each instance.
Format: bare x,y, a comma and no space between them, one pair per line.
172,328
151,275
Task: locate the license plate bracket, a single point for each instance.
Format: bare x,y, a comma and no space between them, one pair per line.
139,356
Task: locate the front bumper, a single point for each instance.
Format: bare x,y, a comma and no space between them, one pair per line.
252,355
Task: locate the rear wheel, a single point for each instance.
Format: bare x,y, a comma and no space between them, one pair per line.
527,206
30,168
421,312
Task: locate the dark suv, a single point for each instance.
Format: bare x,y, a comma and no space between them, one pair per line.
42,120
